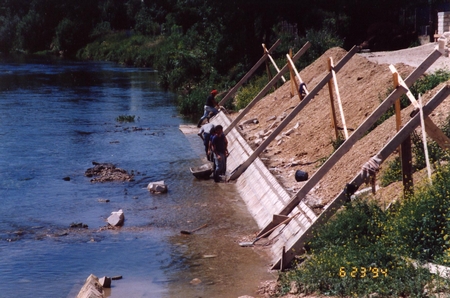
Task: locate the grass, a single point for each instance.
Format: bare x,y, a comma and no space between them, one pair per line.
365,250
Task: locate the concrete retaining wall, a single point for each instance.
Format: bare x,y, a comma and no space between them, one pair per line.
261,192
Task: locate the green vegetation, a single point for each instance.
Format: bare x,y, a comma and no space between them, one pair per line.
421,86
365,250
201,45
436,154
125,118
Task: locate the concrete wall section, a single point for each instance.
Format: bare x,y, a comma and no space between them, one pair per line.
262,193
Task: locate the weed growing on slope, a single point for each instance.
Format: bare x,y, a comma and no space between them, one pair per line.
365,250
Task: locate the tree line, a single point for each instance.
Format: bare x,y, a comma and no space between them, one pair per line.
200,41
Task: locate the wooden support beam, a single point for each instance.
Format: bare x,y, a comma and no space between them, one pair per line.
294,85
338,96
424,138
273,62
357,134
436,134
291,63
333,112
248,74
404,85
398,115
292,69
241,168
296,245
266,89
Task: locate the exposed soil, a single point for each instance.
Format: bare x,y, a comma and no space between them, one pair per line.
308,139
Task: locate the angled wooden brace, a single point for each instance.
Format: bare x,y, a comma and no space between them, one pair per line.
266,89
242,167
273,62
356,135
248,74
296,244
336,88
292,66
432,130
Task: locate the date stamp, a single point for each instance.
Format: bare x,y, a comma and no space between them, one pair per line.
363,272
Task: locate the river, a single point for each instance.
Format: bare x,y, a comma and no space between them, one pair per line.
56,118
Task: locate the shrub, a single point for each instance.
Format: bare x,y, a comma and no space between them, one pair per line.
248,92
363,250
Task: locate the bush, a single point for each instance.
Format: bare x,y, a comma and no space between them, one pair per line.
248,92
363,250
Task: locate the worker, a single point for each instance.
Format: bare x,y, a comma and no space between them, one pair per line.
205,132
219,146
211,107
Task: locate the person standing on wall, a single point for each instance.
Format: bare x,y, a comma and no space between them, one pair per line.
205,132
211,106
219,146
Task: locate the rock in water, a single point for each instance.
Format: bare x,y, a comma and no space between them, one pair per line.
157,187
116,218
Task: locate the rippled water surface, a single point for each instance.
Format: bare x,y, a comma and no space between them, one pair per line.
56,118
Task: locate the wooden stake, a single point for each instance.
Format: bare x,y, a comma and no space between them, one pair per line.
333,112
424,138
398,115
291,63
248,74
273,62
292,77
294,82
403,84
336,88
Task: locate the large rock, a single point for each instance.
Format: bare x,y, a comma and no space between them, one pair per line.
91,288
157,187
116,218
105,172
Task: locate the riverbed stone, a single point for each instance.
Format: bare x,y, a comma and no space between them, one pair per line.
116,218
157,187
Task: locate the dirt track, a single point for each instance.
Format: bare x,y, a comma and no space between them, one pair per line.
411,56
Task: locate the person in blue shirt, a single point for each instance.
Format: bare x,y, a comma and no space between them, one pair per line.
219,146
205,132
211,106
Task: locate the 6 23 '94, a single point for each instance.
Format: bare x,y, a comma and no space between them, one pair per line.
363,272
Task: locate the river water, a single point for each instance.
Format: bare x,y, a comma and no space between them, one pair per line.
56,118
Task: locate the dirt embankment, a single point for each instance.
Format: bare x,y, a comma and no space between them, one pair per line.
363,84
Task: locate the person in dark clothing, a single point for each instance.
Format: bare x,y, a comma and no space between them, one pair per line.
211,106
219,146
205,132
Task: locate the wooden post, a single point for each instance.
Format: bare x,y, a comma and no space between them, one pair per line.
248,74
299,240
291,63
273,62
294,70
333,112
398,115
241,168
338,98
358,133
294,85
424,138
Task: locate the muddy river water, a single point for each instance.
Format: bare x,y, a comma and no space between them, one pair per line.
56,118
